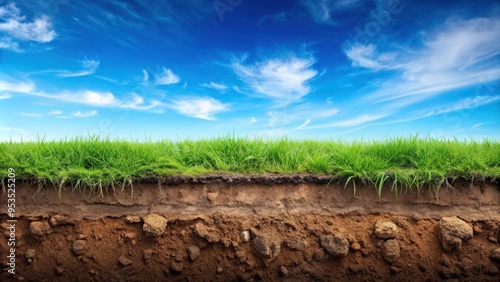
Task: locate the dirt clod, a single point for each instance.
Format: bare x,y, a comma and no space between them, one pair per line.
133,219
79,247
355,246
154,225
336,245
40,228
452,232
209,234
390,250
147,255
386,230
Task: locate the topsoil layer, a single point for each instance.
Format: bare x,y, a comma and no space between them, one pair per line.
241,229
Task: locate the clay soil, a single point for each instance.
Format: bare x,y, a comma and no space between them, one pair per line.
206,217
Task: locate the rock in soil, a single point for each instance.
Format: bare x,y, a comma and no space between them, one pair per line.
495,254
219,269
355,246
60,219
386,230
40,228
133,219
154,225
177,266
79,247
30,254
298,244
245,236
148,253
193,252
390,250
124,261
336,245
283,271
452,232
267,245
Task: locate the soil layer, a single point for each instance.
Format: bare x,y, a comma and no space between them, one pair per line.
250,231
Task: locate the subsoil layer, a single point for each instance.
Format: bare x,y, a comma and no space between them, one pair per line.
225,231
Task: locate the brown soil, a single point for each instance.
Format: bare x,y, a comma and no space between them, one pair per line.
290,217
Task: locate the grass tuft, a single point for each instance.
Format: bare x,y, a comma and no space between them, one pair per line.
402,163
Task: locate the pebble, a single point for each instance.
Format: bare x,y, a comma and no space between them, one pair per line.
495,254
283,271
245,236
124,261
219,269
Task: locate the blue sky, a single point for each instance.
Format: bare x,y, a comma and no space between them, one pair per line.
193,68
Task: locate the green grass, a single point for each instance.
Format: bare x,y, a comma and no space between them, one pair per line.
405,163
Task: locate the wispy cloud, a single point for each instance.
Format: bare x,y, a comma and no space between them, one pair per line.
18,30
33,115
10,85
464,104
85,114
87,67
163,77
216,86
280,17
457,56
4,96
55,112
284,79
323,10
199,107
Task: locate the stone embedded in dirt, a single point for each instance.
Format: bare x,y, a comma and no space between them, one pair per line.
355,246
394,270
59,270
133,219
79,247
493,239
154,225
492,271
390,250
495,254
209,234
453,231
124,261
319,254
177,266
130,236
193,252
386,230
268,245
60,219
245,236
148,253
30,254
219,269
336,245
40,228
283,271
297,243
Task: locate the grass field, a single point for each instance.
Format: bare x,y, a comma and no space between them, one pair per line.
405,162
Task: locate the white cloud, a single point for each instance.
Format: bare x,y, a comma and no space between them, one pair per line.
216,86
4,96
18,30
145,75
322,10
16,86
457,56
80,114
467,103
203,108
33,115
283,79
166,76
55,112
87,67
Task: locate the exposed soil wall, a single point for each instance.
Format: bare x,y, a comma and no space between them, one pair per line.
222,229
